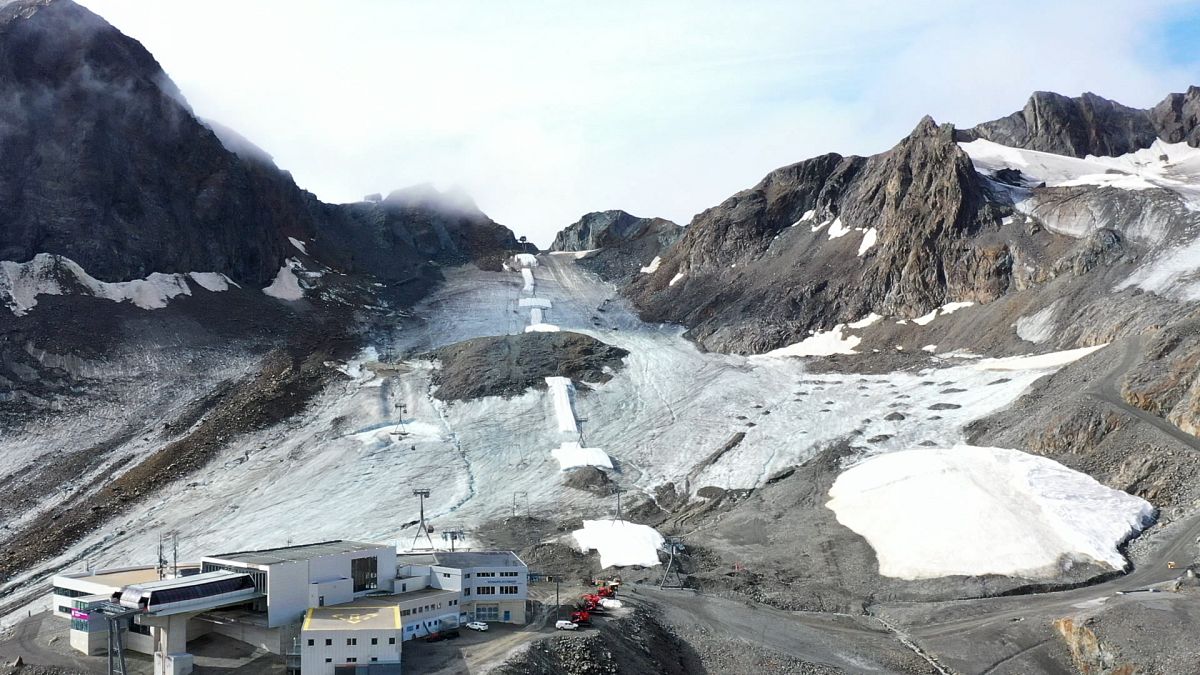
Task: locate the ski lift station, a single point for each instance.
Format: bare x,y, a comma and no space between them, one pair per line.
330,607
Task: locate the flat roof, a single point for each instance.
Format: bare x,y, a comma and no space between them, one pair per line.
193,580
461,559
358,615
271,556
118,578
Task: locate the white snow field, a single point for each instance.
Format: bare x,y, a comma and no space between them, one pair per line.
571,456
22,283
964,510
561,390
338,471
620,543
527,276
653,266
526,259
1170,166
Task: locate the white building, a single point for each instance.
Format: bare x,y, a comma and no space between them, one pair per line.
295,578
358,637
493,585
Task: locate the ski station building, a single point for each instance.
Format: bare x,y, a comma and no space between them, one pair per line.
339,606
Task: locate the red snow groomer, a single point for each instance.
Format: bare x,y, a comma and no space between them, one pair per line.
591,602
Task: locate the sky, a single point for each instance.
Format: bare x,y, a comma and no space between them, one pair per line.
544,111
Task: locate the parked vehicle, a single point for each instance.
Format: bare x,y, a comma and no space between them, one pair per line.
477,625
565,625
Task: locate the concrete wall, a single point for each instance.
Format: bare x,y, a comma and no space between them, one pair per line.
446,578
287,592
409,584
274,640
313,658
334,592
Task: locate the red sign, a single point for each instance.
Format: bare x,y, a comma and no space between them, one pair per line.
77,614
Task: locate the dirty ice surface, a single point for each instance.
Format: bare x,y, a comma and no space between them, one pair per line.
934,512
345,467
620,543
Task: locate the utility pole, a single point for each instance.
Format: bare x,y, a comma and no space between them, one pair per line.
618,491
175,554
422,527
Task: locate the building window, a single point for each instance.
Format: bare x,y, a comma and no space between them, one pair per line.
485,574
328,642
467,575
311,642
351,642
466,591
391,641
445,575
68,593
365,572
328,660
351,660
508,590
508,574
374,658
485,590
374,641
64,610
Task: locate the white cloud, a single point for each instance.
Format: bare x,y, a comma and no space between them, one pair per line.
544,111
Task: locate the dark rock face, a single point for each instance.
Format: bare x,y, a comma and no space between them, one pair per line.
757,273
507,365
627,243
1092,125
102,161
611,228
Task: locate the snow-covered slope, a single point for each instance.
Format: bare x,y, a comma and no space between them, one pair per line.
935,512
1168,166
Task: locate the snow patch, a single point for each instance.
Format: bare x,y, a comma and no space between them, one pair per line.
653,266
926,319
527,276
298,244
534,302
675,279
969,510
620,543
808,215
526,259
48,274
837,229
867,320
286,286
211,281
868,241
929,348
571,456
584,254
822,343
1037,361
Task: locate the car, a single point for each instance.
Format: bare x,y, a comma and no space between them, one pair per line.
477,625
565,625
